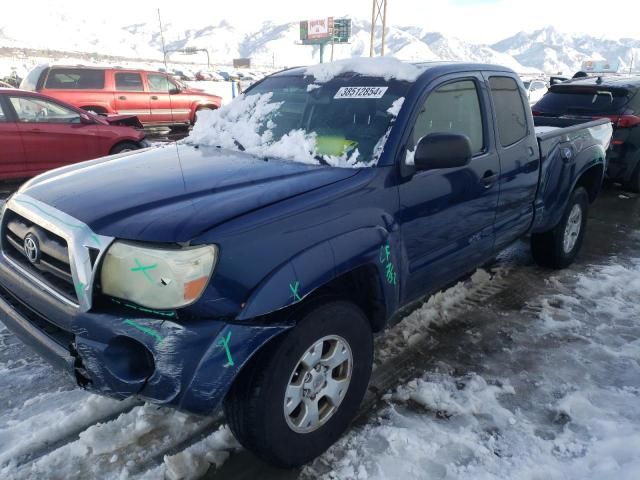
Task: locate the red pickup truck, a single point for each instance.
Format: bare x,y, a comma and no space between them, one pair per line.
155,98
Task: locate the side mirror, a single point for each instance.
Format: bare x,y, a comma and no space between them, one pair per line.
86,119
174,91
442,150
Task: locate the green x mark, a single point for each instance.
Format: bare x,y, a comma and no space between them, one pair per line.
143,268
294,289
224,343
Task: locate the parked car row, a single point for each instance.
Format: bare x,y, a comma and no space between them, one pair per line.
255,278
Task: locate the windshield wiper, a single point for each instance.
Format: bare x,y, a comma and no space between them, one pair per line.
239,145
321,160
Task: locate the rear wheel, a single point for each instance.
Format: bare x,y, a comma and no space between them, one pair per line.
558,247
296,398
124,147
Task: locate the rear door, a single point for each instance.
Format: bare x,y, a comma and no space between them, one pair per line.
131,97
52,135
519,158
12,164
160,99
447,215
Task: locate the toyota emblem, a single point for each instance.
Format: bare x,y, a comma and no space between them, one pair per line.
31,248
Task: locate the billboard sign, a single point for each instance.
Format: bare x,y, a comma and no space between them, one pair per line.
319,29
599,66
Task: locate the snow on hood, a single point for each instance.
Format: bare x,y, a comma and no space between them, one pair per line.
385,67
245,124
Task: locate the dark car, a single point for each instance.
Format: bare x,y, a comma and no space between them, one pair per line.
616,98
253,269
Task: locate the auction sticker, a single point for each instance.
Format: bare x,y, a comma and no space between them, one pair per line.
360,92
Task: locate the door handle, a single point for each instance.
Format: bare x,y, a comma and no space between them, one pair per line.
122,97
153,97
489,179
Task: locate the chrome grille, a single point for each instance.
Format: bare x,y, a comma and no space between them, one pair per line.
67,252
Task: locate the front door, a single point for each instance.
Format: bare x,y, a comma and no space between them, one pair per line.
447,215
52,135
130,97
160,99
12,163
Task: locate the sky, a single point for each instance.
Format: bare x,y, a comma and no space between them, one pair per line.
477,21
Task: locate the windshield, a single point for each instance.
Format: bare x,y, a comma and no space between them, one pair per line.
343,122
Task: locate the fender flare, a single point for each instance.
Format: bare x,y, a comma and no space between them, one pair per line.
555,211
314,267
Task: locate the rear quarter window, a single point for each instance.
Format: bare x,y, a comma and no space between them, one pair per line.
75,79
511,115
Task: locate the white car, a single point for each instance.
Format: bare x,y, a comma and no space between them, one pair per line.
535,90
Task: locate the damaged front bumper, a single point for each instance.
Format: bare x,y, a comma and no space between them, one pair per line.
189,365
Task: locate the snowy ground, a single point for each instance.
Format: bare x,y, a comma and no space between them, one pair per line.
516,373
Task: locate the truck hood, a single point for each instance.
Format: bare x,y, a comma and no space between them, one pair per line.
175,192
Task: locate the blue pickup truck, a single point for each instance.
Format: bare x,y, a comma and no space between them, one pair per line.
251,264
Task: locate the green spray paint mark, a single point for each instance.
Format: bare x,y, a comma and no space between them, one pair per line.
143,269
142,328
294,289
385,253
79,289
385,259
224,343
145,310
391,273
93,236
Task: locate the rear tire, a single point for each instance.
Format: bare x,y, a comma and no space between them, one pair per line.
558,247
265,409
124,147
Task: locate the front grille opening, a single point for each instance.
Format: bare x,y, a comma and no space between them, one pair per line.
52,265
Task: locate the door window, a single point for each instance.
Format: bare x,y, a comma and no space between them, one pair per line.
158,83
3,117
452,108
75,79
35,110
129,82
510,111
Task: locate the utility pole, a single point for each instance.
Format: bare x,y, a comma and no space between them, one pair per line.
378,13
164,51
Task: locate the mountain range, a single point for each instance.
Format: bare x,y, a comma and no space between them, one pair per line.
276,44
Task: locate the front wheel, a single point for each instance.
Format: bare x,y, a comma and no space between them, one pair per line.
124,147
296,398
558,247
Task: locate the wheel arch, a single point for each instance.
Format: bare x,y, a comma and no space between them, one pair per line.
347,267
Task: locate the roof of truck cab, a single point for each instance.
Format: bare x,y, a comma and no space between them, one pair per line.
390,68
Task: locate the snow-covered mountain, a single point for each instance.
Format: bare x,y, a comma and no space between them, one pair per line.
553,51
277,44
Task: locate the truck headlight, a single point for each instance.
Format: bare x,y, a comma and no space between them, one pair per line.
159,278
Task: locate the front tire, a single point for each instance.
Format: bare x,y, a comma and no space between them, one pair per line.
124,147
297,396
558,247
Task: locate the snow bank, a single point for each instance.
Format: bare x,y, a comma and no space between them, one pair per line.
555,401
386,67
